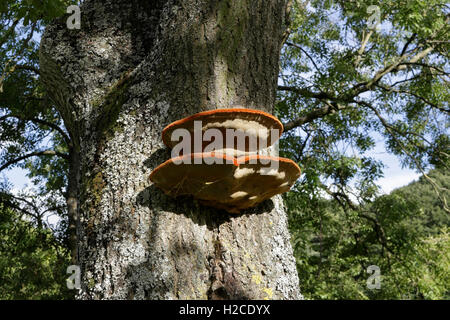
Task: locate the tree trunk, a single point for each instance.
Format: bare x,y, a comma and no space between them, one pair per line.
132,68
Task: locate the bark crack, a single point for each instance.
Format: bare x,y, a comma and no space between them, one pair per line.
224,284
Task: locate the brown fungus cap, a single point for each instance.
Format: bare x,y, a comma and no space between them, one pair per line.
191,178
230,184
240,119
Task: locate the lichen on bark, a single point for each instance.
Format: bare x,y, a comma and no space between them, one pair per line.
134,67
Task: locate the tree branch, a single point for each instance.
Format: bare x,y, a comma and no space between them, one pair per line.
408,42
391,89
353,92
390,129
306,93
9,31
363,47
6,70
379,230
306,53
54,127
26,67
42,122
7,199
329,108
34,154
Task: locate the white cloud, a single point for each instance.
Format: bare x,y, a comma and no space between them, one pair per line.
399,179
17,176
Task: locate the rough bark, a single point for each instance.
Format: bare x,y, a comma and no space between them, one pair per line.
134,67
72,201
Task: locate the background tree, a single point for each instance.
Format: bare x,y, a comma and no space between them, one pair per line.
344,85
34,253
32,261
404,233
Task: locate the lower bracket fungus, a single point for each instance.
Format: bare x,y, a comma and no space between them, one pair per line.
225,182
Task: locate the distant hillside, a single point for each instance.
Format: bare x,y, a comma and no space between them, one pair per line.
404,233
421,191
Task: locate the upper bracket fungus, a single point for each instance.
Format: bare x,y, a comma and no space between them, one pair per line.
232,177
237,129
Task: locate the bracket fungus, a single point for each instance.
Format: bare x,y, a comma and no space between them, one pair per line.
232,181
247,130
